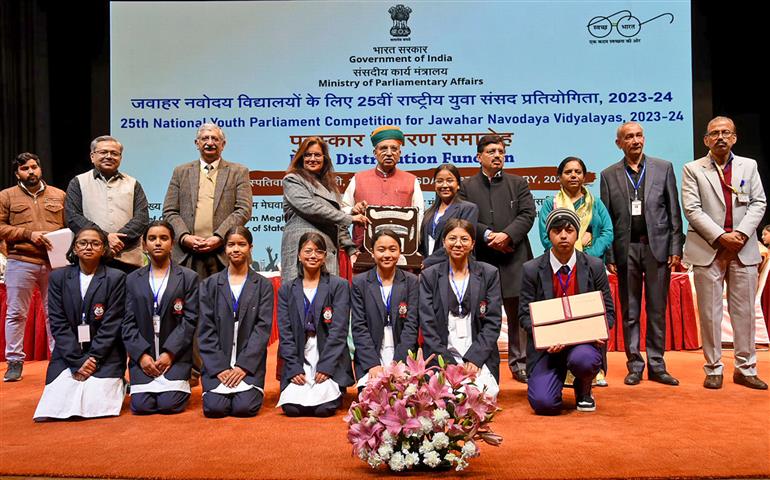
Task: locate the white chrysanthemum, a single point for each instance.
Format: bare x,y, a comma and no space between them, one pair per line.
410,390
411,459
388,439
440,416
440,440
469,450
396,462
451,457
426,446
461,464
426,424
363,454
385,451
374,460
431,459
405,446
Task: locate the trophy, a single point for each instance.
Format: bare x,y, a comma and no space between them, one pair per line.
403,222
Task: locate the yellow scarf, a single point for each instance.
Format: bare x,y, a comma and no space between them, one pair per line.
584,211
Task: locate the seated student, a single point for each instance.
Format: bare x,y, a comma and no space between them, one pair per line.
86,303
159,326
236,316
562,271
313,321
461,308
384,310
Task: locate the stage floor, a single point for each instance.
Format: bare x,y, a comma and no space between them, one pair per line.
648,431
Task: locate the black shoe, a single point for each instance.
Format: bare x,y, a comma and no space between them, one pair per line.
13,374
520,375
633,378
663,377
713,382
751,381
586,404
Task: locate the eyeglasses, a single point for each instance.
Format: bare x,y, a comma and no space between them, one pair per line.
309,252
108,153
720,133
464,241
86,243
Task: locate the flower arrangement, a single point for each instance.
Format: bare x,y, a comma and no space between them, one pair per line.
415,416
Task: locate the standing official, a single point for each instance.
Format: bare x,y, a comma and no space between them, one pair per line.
205,199
640,195
111,200
27,212
385,184
724,202
506,213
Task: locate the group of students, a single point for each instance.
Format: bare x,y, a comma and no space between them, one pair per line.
103,320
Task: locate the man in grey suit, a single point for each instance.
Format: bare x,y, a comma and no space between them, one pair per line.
640,194
724,202
206,198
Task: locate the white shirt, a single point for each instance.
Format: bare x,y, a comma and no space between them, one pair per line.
556,264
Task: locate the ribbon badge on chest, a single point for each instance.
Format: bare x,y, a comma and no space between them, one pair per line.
327,314
483,308
403,309
178,306
98,311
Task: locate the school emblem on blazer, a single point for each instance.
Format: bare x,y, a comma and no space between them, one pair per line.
98,311
327,314
483,308
178,306
403,309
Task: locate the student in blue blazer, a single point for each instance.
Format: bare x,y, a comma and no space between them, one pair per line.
86,304
313,322
447,180
158,330
236,317
384,310
461,308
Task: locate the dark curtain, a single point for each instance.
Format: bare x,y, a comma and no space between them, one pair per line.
25,122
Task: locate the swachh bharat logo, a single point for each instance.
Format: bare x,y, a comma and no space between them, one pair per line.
624,22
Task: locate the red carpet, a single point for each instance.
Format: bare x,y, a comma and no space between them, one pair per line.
646,431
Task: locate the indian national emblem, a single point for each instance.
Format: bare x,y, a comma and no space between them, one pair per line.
400,15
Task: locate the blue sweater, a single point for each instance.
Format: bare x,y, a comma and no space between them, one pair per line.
600,227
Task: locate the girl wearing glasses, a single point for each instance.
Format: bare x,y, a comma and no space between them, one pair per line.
236,317
86,304
161,315
313,322
447,204
460,308
311,203
384,310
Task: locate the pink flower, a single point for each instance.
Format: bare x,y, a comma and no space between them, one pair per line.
418,366
365,436
475,401
455,375
396,419
438,391
491,438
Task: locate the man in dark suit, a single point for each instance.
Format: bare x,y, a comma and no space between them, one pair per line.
506,213
205,198
559,272
640,195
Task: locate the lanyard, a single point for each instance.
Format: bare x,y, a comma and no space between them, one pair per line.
637,184
460,293
155,293
564,285
437,218
235,299
385,301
